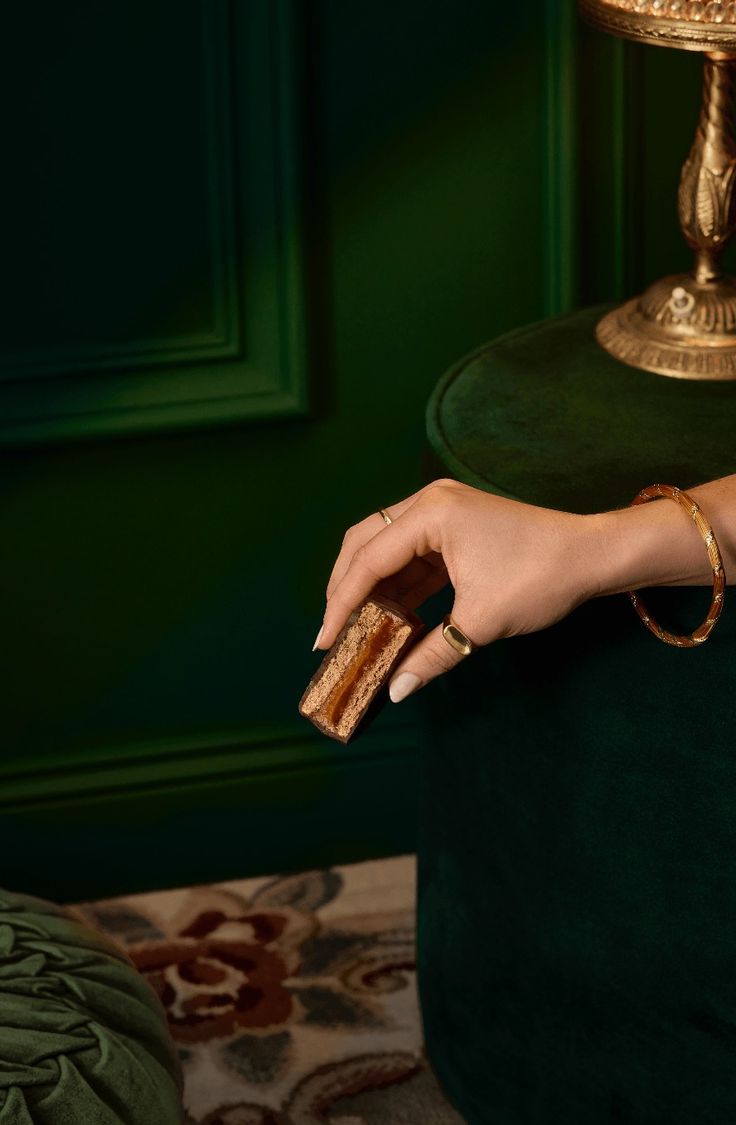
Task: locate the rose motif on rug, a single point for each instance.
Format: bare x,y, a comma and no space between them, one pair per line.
212,983
292,997
218,962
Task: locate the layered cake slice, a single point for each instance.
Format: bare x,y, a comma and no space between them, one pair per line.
352,678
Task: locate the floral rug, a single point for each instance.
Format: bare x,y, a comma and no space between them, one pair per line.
292,998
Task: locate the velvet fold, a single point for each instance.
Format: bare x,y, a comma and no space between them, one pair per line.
83,1038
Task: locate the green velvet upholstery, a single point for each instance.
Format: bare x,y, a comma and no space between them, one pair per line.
577,852
83,1039
544,414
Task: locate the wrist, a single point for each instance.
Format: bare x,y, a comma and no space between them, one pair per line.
650,544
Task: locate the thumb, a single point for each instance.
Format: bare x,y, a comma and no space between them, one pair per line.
429,658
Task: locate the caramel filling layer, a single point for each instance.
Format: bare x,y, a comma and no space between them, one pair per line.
337,703
357,668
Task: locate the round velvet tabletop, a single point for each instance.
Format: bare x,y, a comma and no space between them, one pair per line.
545,415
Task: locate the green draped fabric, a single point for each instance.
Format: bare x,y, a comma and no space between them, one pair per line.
577,852
83,1039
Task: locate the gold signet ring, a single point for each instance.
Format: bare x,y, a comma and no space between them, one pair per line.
456,638
384,515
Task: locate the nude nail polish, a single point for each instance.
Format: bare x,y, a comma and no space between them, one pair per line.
402,685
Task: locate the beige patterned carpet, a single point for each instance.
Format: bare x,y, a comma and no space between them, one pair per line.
293,998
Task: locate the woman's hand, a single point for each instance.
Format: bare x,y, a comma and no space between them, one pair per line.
515,568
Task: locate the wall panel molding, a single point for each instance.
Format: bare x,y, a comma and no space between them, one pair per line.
246,359
182,811
193,759
223,339
561,214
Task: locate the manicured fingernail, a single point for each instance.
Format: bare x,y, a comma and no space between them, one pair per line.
402,685
319,638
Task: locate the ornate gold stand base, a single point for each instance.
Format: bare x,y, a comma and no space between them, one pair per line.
678,327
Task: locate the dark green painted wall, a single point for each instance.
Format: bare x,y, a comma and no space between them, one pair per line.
461,172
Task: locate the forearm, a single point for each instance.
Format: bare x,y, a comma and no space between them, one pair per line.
655,544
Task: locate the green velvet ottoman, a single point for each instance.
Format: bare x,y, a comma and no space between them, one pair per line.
577,850
83,1038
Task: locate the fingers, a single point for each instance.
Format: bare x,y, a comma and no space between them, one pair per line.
434,581
361,533
379,558
428,659
416,582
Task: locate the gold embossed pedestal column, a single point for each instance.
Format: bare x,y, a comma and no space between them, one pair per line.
685,325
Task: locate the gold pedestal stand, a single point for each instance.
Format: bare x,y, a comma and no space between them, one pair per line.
685,325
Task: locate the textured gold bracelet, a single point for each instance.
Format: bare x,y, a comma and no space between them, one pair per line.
719,578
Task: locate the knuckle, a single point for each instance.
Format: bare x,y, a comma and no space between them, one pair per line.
363,559
337,601
437,497
339,606
348,537
440,656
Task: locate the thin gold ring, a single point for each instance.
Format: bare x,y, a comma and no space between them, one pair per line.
456,639
385,516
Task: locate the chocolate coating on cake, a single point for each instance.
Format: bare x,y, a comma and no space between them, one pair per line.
358,666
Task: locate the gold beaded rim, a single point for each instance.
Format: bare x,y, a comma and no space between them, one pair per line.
686,502
691,25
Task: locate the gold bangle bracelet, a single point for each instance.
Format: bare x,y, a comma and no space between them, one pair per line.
714,555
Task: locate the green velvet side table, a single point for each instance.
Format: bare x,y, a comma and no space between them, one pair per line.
577,849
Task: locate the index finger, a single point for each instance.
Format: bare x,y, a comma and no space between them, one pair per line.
379,558
360,533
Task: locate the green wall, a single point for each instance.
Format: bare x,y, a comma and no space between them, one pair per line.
449,175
